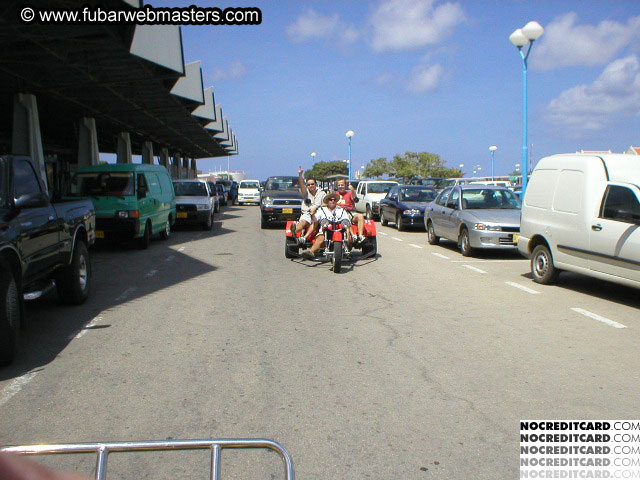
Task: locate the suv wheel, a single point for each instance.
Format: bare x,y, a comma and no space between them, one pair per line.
73,280
9,317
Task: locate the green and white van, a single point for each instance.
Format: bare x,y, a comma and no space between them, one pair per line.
132,201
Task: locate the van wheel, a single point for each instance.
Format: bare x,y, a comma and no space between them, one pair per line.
73,280
9,317
208,225
465,244
164,235
542,267
145,240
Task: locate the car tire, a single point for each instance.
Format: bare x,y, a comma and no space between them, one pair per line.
336,259
432,238
383,220
217,207
166,233
368,213
208,224
542,267
9,317
400,223
74,280
465,243
145,240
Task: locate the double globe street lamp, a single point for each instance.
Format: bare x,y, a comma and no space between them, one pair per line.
492,149
521,37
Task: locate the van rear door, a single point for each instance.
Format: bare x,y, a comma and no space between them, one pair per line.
614,236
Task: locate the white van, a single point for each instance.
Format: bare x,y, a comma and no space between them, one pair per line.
369,193
249,192
581,213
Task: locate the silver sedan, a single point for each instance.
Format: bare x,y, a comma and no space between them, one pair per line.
475,216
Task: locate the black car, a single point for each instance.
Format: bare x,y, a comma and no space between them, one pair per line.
404,205
280,201
222,194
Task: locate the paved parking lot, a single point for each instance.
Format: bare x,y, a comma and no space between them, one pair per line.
418,364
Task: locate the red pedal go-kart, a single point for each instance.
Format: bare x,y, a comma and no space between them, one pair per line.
336,247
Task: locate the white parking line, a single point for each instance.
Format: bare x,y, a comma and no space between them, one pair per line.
414,245
439,255
15,386
523,288
181,249
151,273
382,233
126,293
587,313
397,239
475,269
85,328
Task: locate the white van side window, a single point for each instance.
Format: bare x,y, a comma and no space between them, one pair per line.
540,188
620,204
568,194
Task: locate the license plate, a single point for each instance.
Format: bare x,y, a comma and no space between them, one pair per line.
182,215
99,234
516,236
287,210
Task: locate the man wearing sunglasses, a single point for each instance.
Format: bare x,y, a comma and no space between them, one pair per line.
332,212
313,198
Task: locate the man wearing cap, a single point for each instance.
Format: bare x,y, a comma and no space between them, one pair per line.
331,212
313,199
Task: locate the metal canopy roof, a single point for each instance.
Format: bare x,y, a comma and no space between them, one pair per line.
92,71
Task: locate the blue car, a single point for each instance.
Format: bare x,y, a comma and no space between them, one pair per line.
404,205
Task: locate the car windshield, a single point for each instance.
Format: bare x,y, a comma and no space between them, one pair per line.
489,198
379,187
282,183
417,195
102,184
190,189
249,185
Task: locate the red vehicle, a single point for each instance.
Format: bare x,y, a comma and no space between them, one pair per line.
335,242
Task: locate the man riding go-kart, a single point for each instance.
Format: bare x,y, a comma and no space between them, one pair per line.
335,238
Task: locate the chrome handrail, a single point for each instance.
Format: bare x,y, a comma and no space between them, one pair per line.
102,450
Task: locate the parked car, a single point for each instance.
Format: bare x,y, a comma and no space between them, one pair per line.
233,191
249,192
405,204
133,201
43,245
369,193
581,213
215,195
222,193
195,203
475,216
280,200
230,189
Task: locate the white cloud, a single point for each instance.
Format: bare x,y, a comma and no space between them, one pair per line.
236,69
411,24
425,78
566,44
313,25
592,107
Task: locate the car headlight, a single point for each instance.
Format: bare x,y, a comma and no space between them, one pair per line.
266,201
489,228
413,211
346,223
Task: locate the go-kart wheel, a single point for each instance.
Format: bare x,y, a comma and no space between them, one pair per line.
291,248
337,258
370,246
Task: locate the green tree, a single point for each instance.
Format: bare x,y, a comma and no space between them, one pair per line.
322,170
376,168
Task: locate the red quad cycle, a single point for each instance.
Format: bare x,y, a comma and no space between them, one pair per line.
335,242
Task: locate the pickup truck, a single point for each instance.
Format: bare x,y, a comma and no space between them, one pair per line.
42,246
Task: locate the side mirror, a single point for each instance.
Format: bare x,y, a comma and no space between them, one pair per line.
32,200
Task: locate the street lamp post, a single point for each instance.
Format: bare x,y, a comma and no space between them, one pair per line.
313,158
492,149
521,37
349,134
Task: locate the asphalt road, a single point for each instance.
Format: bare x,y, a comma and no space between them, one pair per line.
416,365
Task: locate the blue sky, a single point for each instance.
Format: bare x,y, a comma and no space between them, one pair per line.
419,75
